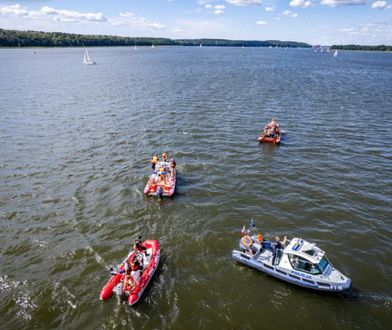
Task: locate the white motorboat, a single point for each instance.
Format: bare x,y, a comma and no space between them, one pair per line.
297,261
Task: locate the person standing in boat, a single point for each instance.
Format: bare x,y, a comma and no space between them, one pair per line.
278,245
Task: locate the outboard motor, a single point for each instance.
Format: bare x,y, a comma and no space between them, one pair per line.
160,192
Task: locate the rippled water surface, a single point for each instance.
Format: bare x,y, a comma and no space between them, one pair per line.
75,141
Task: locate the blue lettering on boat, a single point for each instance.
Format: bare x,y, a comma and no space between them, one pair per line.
300,274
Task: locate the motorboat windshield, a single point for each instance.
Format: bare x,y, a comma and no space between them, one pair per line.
323,264
306,266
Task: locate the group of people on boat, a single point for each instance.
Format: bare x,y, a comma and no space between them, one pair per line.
247,243
271,129
162,169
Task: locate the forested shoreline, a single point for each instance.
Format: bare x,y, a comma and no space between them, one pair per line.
14,38
382,48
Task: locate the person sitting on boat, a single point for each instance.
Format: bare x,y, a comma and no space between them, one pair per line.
154,160
162,181
172,167
132,275
247,242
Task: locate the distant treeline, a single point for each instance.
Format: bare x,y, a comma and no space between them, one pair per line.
382,48
14,38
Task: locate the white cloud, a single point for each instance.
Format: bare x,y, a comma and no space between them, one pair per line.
131,20
289,13
380,4
244,2
338,3
261,23
17,10
61,15
300,3
269,9
216,9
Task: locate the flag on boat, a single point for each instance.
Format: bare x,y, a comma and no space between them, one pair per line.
243,230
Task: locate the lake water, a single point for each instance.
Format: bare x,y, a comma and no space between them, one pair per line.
75,141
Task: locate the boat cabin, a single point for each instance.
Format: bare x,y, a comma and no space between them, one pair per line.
306,257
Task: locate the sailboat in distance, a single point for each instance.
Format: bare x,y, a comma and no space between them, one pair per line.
87,59
335,54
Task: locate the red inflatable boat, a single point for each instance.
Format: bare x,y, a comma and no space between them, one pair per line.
158,187
270,139
149,262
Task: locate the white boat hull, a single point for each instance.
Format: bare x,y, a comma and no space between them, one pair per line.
289,275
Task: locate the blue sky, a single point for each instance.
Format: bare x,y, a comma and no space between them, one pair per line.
323,22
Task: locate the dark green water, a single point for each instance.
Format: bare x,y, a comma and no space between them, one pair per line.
75,141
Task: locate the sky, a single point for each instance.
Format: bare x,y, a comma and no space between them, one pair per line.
325,22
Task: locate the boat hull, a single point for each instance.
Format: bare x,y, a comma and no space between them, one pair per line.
274,140
291,276
149,269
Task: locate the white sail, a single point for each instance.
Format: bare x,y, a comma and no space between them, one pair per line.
335,54
87,59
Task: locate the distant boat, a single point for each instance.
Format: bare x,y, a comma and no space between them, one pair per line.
87,59
270,47
152,46
201,45
335,54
